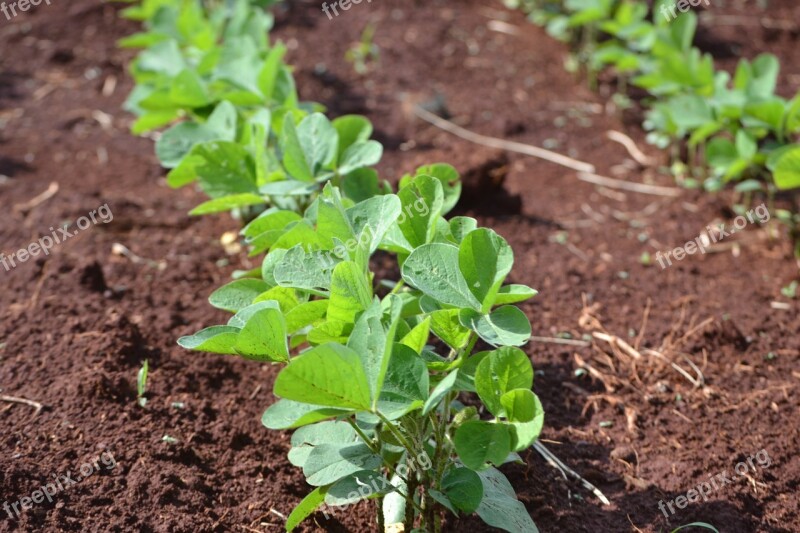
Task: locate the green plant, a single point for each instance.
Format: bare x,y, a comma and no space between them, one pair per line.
727,128
378,379
141,383
790,291
236,126
374,370
364,52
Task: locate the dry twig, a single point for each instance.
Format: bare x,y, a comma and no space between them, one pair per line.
502,144
612,183
556,462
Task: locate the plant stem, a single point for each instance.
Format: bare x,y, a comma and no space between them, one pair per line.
411,481
374,450
411,488
399,285
399,436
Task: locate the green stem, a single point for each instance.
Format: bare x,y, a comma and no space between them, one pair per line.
399,285
399,436
373,449
387,464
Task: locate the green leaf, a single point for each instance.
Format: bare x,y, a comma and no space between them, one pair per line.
443,500
306,508
502,370
372,218
227,203
351,129
163,58
268,75
466,373
446,325
451,183
422,201
721,153
330,375
765,76
227,168
362,184
285,297
485,259
175,143
297,233
505,325
216,339
307,438
305,270
406,385
330,331
306,314
463,488
351,292
318,141
356,487
188,90
478,442
328,463
791,119
270,220
500,507
439,392
238,294
524,432
417,338
746,146
511,294
332,223
263,338
368,340
153,119
360,155
433,269
460,227
787,169
769,113
286,414
294,159
240,319
519,405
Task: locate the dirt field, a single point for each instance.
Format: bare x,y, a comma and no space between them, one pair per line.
76,325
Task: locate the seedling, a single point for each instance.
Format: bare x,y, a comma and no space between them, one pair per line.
364,52
373,381
790,291
362,377
141,384
733,128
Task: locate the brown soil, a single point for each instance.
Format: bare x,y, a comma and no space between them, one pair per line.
77,324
